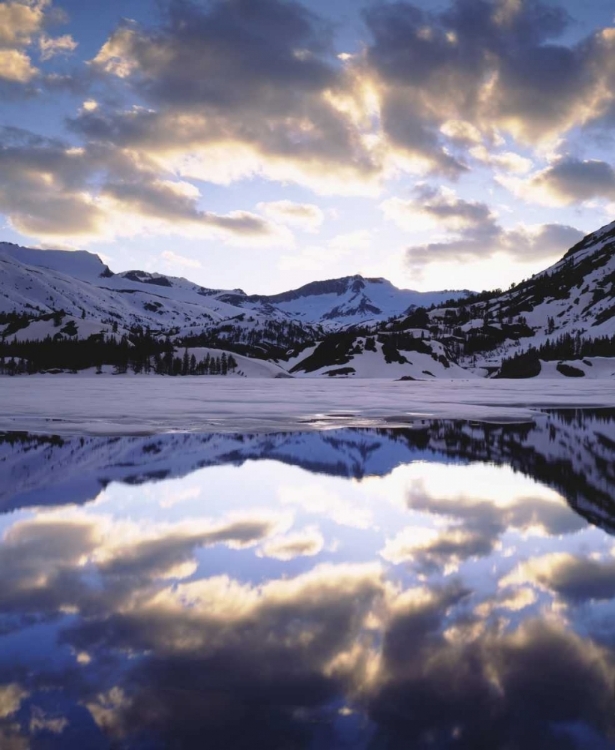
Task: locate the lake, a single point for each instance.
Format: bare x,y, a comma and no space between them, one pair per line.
446,584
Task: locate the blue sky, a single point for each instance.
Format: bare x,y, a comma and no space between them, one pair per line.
266,143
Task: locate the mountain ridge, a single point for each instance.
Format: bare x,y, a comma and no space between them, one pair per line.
351,326
356,307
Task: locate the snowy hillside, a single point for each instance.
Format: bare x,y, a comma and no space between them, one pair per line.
39,282
563,317
387,356
42,281
349,300
560,323
574,298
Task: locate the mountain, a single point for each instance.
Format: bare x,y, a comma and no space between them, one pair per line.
558,323
352,299
45,280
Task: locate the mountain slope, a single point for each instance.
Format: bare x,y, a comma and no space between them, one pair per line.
43,281
558,323
566,312
349,300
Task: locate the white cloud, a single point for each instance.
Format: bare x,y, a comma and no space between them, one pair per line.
52,46
306,543
306,216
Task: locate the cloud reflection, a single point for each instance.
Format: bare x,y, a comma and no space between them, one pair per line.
434,605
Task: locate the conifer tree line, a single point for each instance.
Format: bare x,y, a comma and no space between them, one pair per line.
140,352
565,347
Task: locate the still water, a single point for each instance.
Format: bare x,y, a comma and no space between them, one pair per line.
451,585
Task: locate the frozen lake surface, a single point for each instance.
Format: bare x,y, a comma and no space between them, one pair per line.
66,404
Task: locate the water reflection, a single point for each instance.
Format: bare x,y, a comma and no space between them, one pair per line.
449,585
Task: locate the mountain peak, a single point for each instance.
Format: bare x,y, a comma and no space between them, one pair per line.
77,263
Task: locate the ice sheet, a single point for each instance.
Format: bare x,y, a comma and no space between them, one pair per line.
117,405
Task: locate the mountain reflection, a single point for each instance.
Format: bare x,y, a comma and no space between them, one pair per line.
448,585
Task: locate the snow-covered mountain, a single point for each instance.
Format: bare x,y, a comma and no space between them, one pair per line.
41,281
558,323
352,299
574,298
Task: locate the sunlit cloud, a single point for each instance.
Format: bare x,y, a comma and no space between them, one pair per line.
576,579
567,182
306,543
306,216
61,45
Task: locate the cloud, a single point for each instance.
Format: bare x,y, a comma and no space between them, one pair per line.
567,182
11,697
507,162
576,579
168,552
274,109
505,689
430,92
177,658
437,549
471,230
307,543
470,528
56,192
44,556
15,66
306,216
433,208
22,22
275,654
523,513
496,65
61,45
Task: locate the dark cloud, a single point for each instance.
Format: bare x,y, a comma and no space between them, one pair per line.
553,518
546,242
574,181
575,578
242,666
227,55
500,690
270,664
437,208
263,75
156,557
165,201
55,191
494,64
42,559
259,74
474,529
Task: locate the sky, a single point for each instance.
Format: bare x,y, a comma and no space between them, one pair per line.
263,144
